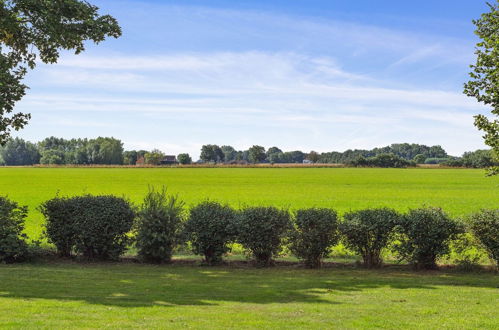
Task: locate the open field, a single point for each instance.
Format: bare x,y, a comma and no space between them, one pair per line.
127,295
458,191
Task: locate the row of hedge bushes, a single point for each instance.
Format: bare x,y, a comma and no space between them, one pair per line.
103,227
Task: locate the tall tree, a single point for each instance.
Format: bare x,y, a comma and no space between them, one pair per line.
19,152
256,154
484,83
31,29
211,153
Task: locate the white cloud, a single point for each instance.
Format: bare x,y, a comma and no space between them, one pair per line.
277,80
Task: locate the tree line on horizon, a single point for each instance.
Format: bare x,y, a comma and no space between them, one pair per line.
110,151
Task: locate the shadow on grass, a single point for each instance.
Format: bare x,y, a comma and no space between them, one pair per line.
131,285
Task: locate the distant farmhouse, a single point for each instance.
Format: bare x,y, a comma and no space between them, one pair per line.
169,160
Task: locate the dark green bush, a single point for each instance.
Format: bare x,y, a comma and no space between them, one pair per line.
210,229
13,246
97,227
368,232
485,226
261,230
314,234
60,227
425,235
159,222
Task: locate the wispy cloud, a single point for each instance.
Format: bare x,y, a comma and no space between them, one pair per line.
246,77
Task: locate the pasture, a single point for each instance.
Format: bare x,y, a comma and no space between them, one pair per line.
458,191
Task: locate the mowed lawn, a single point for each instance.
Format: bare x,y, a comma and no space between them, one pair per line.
458,191
125,295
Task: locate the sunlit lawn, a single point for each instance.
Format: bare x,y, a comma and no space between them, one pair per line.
130,295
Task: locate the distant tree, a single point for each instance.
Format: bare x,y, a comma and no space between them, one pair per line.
478,159
105,150
31,29
130,157
276,157
229,153
19,152
257,154
294,156
273,150
420,159
211,153
184,159
484,83
154,157
313,156
52,157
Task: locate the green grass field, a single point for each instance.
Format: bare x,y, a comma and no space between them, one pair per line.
126,295
458,191
62,294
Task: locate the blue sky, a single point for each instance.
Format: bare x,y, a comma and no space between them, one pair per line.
307,75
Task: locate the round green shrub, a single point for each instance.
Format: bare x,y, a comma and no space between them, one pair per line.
159,225
314,234
60,227
368,232
13,246
261,230
210,229
425,235
485,226
97,227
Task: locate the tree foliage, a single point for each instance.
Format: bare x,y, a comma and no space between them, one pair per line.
212,153
484,82
257,154
184,159
40,29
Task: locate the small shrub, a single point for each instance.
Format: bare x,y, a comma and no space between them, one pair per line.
159,221
368,232
261,230
60,227
315,232
97,227
466,253
425,234
485,226
13,246
210,229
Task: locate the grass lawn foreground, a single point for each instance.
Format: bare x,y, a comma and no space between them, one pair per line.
123,295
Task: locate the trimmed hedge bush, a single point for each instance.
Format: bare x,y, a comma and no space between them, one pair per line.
261,230
96,227
485,226
13,246
159,225
368,232
210,229
425,234
314,234
60,224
